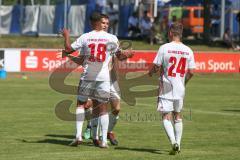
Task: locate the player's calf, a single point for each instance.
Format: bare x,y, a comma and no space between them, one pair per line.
100,112
113,118
178,127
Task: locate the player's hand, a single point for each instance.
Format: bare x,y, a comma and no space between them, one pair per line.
129,53
125,54
65,32
62,54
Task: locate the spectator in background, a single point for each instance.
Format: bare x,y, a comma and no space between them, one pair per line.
100,6
227,38
113,18
238,20
140,8
238,17
156,29
173,20
215,21
133,22
146,28
164,28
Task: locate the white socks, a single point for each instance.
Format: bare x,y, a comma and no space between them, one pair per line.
169,130
104,121
174,133
112,121
178,126
79,122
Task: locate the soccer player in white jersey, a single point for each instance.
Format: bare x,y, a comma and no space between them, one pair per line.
95,79
114,90
175,61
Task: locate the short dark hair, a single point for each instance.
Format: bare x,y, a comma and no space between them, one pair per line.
104,16
95,17
176,29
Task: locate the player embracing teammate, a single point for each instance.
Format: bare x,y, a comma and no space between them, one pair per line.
97,51
98,82
95,79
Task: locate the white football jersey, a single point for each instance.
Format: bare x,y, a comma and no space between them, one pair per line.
175,59
98,48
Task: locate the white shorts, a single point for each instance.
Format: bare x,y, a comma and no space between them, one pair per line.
98,90
115,90
169,105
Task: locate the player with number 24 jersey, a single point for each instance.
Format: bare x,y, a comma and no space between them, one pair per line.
176,59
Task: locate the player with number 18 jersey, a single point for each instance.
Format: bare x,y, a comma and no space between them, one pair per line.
97,47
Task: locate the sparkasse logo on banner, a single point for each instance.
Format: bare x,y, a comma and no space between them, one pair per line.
45,60
31,60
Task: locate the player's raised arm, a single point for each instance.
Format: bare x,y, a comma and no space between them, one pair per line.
67,43
69,49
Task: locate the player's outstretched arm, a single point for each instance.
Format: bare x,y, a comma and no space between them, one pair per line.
124,54
189,75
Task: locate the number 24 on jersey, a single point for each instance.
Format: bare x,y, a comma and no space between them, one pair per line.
180,66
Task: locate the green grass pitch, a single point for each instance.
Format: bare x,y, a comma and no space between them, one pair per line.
29,128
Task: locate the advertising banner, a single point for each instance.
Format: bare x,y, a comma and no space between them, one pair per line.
12,60
217,62
45,60
206,62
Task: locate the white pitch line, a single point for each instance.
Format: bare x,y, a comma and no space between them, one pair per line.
216,113
197,111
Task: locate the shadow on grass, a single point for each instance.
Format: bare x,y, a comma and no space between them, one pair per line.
149,150
66,141
60,136
51,141
55,141
231,110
